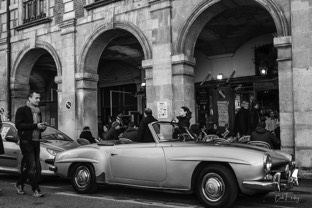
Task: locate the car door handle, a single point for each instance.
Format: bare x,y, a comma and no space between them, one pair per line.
114,154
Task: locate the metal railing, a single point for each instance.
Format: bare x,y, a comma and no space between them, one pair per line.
33,10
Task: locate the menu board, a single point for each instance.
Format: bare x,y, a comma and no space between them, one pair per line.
223,113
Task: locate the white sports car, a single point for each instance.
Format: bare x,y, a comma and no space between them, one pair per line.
217,172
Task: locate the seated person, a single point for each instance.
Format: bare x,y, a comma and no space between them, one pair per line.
261,134
131,132
86,134
112,134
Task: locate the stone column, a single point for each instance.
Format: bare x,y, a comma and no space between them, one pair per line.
3,79
67,107
87,102
183,83
286,98
159,79
301,12
19,94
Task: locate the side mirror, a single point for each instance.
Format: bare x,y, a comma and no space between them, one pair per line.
11,139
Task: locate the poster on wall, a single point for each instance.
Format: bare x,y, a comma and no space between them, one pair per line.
162,110
223,113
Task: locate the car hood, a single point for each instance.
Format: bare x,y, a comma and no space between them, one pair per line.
59,145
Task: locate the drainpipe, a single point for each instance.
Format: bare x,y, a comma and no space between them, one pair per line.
8,41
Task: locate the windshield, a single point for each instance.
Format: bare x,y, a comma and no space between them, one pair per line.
54,134
169,131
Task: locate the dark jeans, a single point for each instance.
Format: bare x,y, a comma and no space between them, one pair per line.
31,159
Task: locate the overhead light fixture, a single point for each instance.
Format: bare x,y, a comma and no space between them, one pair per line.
220,76
143,84
263,71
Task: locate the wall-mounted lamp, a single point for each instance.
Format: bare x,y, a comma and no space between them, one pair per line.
220,76
263,70
143,84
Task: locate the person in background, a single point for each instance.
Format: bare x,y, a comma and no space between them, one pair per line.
241,121
184,118
226,132
144,133
113,133
261,134
213,129
254,116
131,132
271,122
29,125
86,134
1,142
100,128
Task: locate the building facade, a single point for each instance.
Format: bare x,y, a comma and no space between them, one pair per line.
88,58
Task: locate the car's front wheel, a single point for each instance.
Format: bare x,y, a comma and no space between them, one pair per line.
216,186
83,178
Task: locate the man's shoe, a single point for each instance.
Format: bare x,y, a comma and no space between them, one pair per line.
37,194
19,189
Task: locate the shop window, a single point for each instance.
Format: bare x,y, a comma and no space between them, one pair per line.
33,10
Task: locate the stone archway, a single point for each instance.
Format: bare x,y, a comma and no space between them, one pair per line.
26,75
87,74
184,49
196,21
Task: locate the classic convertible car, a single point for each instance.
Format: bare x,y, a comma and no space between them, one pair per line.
216,172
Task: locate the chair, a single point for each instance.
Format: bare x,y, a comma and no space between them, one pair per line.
244,139
210,137
83,141
220,140
260,144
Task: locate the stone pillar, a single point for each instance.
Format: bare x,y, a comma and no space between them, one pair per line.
159,79
19,93
67,107
183,83
3,79
301,12
286,99
87,104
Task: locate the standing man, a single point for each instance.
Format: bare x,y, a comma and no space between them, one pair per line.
254,116
29,125
1,142
144,134
241,122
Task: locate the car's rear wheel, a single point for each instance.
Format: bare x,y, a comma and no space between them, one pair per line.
216,186
83,178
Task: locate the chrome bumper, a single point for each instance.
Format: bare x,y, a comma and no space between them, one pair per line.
276,184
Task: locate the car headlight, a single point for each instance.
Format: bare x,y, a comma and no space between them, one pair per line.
267,163
52,152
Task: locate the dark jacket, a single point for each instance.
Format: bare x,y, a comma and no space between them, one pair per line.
131,133
241,122
112,134
88,136
144,134
1,142
261,134
254,119
25,124
184,122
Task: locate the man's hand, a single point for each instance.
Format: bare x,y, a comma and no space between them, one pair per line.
42,125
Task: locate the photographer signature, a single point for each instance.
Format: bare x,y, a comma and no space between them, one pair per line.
286,197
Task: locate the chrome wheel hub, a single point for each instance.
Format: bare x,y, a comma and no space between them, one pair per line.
82,177
213,187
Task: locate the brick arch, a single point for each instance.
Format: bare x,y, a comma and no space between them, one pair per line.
99,39
195,22
26,59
